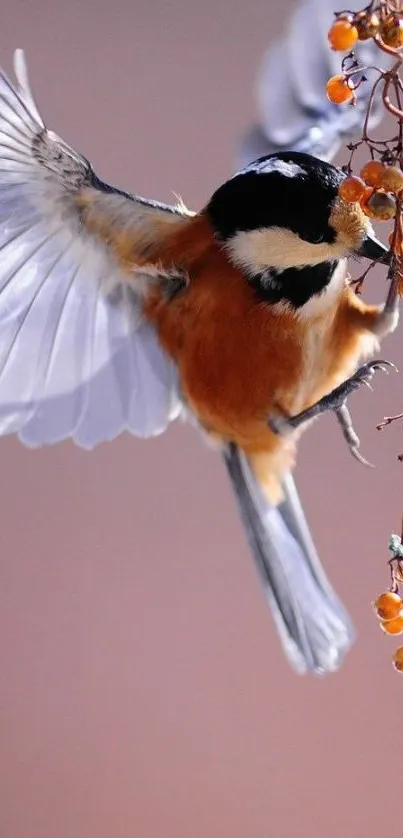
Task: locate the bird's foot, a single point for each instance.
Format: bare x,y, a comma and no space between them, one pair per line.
336,401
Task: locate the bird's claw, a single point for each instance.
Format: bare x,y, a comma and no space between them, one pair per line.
364,375
336,401
353,441
356,454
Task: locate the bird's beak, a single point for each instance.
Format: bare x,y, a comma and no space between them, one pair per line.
374,250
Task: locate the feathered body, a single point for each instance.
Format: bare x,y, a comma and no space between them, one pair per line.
119,313
241,359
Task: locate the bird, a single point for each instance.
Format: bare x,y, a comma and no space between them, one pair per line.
292,111
121,314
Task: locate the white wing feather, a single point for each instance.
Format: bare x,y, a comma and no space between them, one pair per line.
294,111
76,359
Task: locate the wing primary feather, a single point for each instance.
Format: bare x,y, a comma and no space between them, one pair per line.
22,75
11,132
28,164
55,417
14,95
90,355
37,376
12,116
10,173
15,123
95,424
37,292
14,144
56,327
12,240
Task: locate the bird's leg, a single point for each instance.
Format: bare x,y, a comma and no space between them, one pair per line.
336,400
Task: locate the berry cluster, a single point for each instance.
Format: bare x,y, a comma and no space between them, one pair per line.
389,605
384,25
389,608
350,28
378,189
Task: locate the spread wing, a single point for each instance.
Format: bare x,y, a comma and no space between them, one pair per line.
76,359
295,113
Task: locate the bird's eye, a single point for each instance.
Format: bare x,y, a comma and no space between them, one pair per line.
314,238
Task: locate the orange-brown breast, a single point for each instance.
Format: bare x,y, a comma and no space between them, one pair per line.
235,354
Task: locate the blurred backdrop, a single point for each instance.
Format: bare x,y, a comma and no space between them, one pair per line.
143,689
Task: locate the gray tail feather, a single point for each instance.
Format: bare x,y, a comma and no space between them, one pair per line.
314,627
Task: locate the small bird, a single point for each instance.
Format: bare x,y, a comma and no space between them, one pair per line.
119,313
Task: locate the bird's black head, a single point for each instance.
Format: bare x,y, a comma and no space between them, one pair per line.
283,211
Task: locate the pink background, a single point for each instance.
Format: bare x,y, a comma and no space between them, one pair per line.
143,690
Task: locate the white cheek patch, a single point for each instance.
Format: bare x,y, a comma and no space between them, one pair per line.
256,250
320,303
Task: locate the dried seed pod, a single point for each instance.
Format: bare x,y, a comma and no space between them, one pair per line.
364,201
391,31
391,179
382,205
367,25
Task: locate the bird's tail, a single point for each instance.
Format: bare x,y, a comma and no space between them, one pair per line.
314,627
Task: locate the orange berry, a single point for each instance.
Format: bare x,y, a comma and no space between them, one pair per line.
388,605
398,659
391,31
352,189
394,626
382,205
367,25
391,179
338,91
371,172
342,35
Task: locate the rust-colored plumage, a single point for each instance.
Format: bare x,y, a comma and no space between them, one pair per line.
240,360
